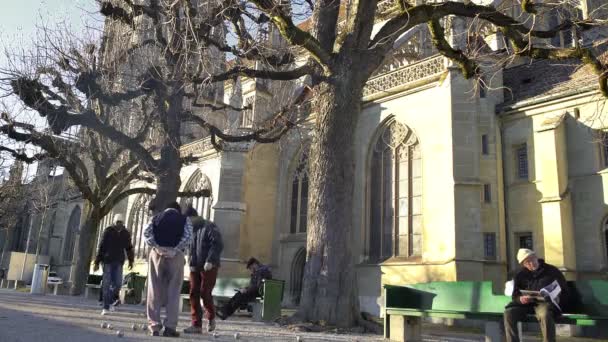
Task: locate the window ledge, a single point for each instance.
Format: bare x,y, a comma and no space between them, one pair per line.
294,237
402,261
520,182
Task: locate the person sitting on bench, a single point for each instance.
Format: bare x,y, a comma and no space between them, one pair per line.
259,272
534,275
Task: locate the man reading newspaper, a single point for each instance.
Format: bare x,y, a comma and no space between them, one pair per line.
540,289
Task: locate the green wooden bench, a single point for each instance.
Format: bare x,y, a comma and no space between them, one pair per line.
266,308
405,306
93,285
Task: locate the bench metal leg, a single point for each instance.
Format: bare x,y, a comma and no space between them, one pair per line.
405,329
387,326
492,330
256,308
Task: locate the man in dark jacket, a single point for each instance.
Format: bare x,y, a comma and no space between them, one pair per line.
205,251
534,276
115,243
245,295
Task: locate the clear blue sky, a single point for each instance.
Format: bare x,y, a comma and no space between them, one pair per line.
19,18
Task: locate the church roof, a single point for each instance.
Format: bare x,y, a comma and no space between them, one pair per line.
549,78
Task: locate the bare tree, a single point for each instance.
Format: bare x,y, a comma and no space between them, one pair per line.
338,49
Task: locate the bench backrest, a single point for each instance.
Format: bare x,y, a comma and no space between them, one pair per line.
94,279
589,297
224,287
463,296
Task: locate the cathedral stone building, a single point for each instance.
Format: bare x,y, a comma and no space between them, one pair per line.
452,175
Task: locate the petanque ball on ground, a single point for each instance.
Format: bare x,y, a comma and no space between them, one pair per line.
119,333
110,326
134,327
215,335
236,336
298,338
104,325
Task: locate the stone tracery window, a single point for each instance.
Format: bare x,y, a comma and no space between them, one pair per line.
139,219
202,204
299,196
71,233
396,194
605,236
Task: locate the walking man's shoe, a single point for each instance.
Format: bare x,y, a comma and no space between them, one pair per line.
193,329
105,312
154,333
211,325
168,332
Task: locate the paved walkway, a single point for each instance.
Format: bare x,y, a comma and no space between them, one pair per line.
32,318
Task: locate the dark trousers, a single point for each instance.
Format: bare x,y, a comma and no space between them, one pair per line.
237,301
111,283
201,287
545,315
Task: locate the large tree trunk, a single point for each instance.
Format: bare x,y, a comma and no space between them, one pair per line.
329,290
84,250
168,173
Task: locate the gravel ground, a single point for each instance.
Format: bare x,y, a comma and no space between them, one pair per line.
33,318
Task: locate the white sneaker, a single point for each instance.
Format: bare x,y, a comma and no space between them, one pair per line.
112,308
105,312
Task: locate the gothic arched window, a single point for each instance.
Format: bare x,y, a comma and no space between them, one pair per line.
70,234
299,196
138,220
396,194
199,183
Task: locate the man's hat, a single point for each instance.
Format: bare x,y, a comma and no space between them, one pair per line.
119,217
523,254
252,261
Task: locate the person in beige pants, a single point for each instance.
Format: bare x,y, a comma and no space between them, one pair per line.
168,235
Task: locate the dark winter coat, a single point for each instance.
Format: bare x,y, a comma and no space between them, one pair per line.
255,283
207,244
536,280
168,228
115,242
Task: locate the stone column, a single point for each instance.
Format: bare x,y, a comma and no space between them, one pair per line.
556,203
229,210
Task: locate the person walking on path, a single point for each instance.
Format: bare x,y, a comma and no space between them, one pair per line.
115,244
205,251
168,236
259,272
534,275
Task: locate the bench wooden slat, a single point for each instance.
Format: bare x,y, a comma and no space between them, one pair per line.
475,300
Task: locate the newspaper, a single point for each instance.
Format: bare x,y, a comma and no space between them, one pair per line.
550,292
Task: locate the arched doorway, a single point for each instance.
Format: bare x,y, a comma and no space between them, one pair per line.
297,275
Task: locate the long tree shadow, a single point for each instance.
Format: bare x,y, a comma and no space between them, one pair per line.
19,326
